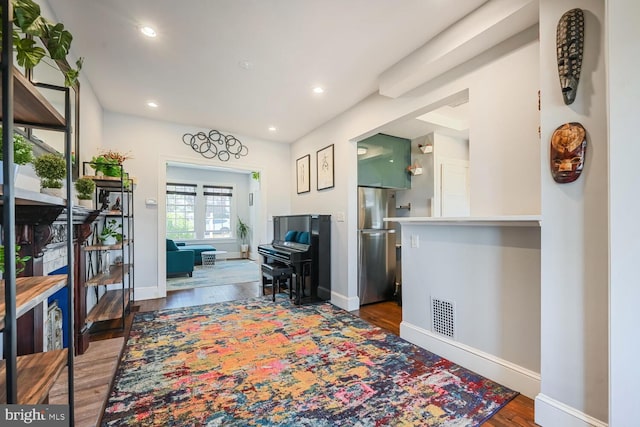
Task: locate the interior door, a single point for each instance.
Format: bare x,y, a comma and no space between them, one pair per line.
454,187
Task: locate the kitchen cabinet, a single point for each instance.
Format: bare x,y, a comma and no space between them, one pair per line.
383,161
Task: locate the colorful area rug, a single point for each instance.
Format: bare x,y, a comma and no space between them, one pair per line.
223,273
258,363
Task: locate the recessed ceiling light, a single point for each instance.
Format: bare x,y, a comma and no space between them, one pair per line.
152,104
318,89
148,31
273,128
244,64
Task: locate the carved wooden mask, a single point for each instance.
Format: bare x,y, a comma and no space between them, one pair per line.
569,45
568,152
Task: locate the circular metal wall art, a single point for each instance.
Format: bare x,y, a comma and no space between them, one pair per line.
215,144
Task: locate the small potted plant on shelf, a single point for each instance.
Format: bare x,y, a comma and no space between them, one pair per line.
85,188
109,163
111,233
243,232
20,260
51,169
22,153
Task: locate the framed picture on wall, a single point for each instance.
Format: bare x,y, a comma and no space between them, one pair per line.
303,174
324,160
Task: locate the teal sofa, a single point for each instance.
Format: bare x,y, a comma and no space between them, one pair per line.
179,262
197,250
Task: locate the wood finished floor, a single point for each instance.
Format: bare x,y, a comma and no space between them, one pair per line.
386,315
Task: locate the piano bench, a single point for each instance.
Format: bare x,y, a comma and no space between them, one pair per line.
275,275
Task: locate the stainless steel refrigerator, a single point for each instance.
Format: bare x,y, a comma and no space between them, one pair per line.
376,245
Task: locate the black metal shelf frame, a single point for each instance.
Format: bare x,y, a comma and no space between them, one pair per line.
104,187
9,220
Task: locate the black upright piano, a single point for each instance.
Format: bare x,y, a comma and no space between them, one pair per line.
302,242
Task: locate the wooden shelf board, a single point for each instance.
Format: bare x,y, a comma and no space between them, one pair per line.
109,307
113,277
31,291
36,375
28,197
113,213
30,107
117,246
113,182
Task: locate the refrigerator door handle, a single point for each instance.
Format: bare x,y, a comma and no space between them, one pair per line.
376,230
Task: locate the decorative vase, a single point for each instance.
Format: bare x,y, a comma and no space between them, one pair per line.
56,192
106,264
87,203
108,241
15,172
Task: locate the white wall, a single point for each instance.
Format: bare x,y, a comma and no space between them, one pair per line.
503,137
624,180
574,235
154,143
518,56
492,276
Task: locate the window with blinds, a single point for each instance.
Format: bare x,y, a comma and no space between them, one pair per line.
181,209
218,206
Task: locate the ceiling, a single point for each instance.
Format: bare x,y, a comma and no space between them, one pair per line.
241,66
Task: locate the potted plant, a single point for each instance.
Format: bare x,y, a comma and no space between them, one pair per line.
109,163
111,233
20,260
243,232
28,23
51,169
85,188
22,153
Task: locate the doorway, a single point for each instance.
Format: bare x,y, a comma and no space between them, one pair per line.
454,188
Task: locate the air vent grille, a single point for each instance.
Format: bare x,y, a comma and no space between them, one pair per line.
443,316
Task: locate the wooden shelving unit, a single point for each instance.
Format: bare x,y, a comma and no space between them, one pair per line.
112,303
30,107
116,275
109,307
27,379
31,291
36,375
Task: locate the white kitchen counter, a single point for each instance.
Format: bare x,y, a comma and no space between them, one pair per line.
498,221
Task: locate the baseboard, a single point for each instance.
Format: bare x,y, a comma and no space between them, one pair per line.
147,293
553,413
345,303
502,371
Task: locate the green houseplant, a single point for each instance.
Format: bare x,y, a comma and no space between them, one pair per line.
111,233
28,23
109,163
20,260
105,166
51,169
243,232
22,153
85,188
22,149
